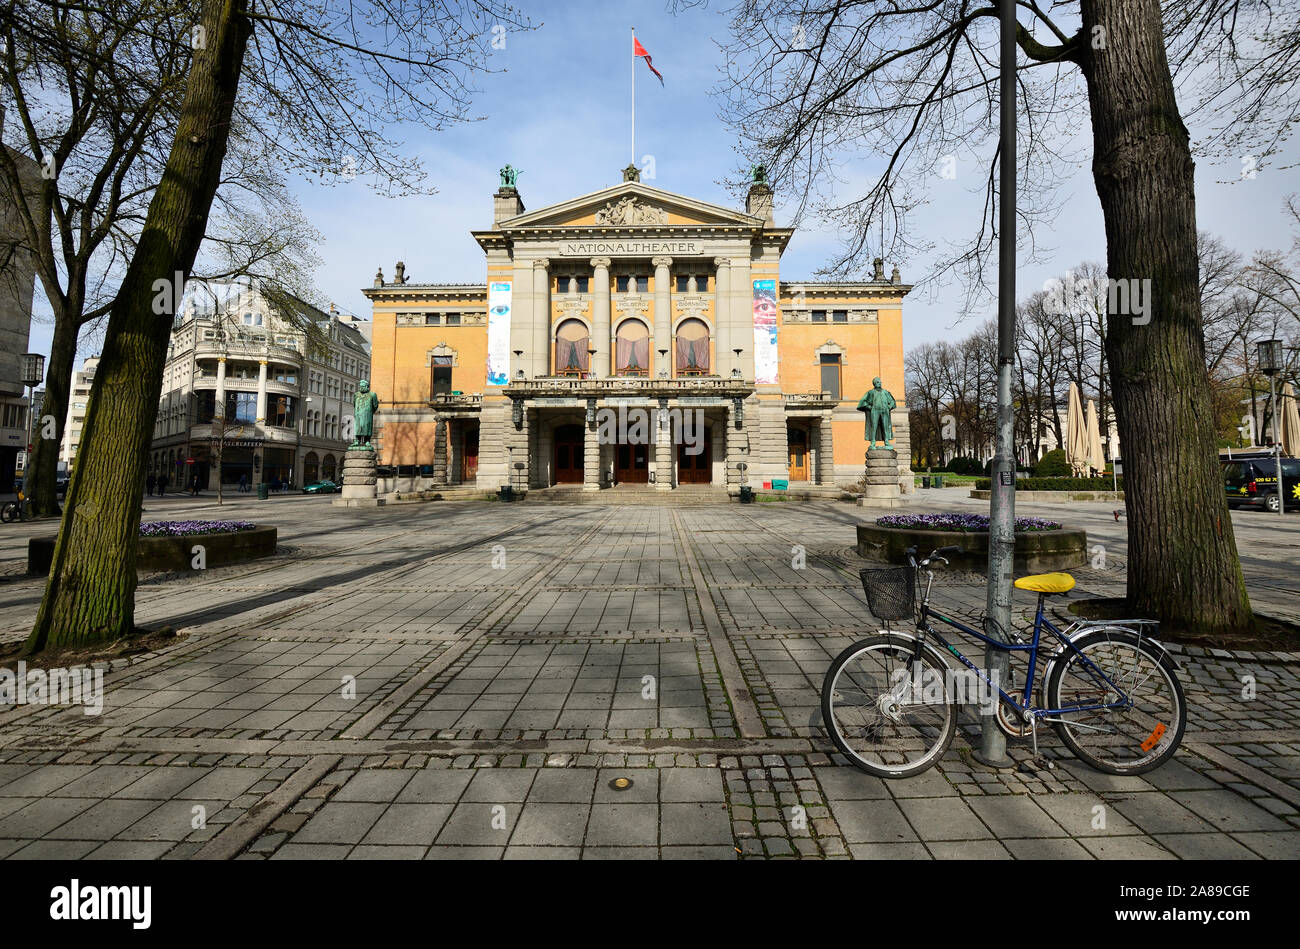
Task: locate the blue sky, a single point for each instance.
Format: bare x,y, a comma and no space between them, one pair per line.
560,111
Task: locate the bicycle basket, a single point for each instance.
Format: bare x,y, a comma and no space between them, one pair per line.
890,592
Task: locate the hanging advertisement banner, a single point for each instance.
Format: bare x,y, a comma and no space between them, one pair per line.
765,353
498,354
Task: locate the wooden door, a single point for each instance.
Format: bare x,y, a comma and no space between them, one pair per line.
798,442
469,458
632,464
568,454
697,468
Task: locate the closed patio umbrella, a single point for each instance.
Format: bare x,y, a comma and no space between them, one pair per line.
1096,454
1076,434
1290,420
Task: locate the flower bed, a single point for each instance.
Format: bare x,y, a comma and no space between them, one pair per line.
1041,545
1057,484
170,545
961,523
186,528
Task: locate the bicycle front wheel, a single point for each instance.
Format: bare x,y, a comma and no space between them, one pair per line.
1130,709
890,713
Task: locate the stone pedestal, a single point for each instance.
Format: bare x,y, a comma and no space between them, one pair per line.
882,479
359,479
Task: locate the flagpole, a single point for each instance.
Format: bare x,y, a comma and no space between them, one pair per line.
633,98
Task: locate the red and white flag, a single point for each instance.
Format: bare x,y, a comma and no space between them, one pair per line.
639,50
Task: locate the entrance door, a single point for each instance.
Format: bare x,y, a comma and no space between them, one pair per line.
697,468
798,442
568,454
469,458
632,464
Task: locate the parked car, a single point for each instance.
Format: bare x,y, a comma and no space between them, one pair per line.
324,486
1252,482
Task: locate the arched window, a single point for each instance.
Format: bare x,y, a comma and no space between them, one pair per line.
310,467
692,348
571,344
632,349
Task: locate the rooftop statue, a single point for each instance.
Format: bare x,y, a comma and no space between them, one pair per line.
509,176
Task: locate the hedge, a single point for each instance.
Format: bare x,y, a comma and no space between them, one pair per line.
1056,484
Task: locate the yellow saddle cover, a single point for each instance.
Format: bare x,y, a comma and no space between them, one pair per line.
1046,583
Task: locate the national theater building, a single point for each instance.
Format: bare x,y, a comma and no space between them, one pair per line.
633,298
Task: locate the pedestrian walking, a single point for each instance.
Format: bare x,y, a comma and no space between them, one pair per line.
243,483
162,484
194,487
151,482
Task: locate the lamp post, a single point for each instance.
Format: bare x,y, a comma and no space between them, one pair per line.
519,359
663,364
1269,353
736,369
33,375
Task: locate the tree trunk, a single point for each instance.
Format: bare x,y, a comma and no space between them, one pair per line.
42,479
1182,566
90,595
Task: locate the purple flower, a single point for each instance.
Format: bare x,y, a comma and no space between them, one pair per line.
963,523
185,528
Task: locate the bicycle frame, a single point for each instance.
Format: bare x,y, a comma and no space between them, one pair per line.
923,627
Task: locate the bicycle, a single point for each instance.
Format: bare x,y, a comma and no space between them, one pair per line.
890,701
15,510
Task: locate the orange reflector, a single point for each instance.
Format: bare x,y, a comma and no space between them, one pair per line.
1154,738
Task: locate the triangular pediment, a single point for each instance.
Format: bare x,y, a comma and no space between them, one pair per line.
632,204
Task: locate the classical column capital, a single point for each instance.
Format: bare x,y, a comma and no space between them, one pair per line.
541,263
722,263
601,262
664,262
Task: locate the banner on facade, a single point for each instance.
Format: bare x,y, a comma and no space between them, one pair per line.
765,353
498,354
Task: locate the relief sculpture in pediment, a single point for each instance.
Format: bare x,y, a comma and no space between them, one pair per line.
627,210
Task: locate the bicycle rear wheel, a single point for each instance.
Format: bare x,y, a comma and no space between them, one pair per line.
1146,713
892,715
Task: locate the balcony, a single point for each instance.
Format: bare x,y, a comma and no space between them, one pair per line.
714,386
818,401
461,401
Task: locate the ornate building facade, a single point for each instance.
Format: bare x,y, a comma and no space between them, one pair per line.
633,336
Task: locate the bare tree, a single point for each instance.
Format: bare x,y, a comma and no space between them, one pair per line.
317,85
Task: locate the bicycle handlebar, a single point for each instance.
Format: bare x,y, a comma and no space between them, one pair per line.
936,554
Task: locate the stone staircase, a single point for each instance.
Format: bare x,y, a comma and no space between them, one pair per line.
632,494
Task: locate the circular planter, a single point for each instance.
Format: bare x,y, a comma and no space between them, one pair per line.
175,553
1036,551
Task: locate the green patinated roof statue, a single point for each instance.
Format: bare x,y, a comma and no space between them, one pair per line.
509,176
877,403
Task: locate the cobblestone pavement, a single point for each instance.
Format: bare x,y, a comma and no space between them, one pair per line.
470,679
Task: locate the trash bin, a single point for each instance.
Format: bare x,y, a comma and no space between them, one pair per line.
938,481
746,494
262,493
925,482
507,493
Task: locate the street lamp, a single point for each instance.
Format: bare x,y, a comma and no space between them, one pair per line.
33,374
519,356
663,364
1269,354
736,370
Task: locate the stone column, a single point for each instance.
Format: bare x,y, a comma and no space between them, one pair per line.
826,449
663,309
663,441
603,367
516,445
590,458
440,451
221,386
541,355
741,322
261,392
722,357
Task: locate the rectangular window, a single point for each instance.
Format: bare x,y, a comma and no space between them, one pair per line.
840,316
432,319
643,284
620,284
819,316
683,281
441,383
561,284
582,284
241,407
830,366
453,319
